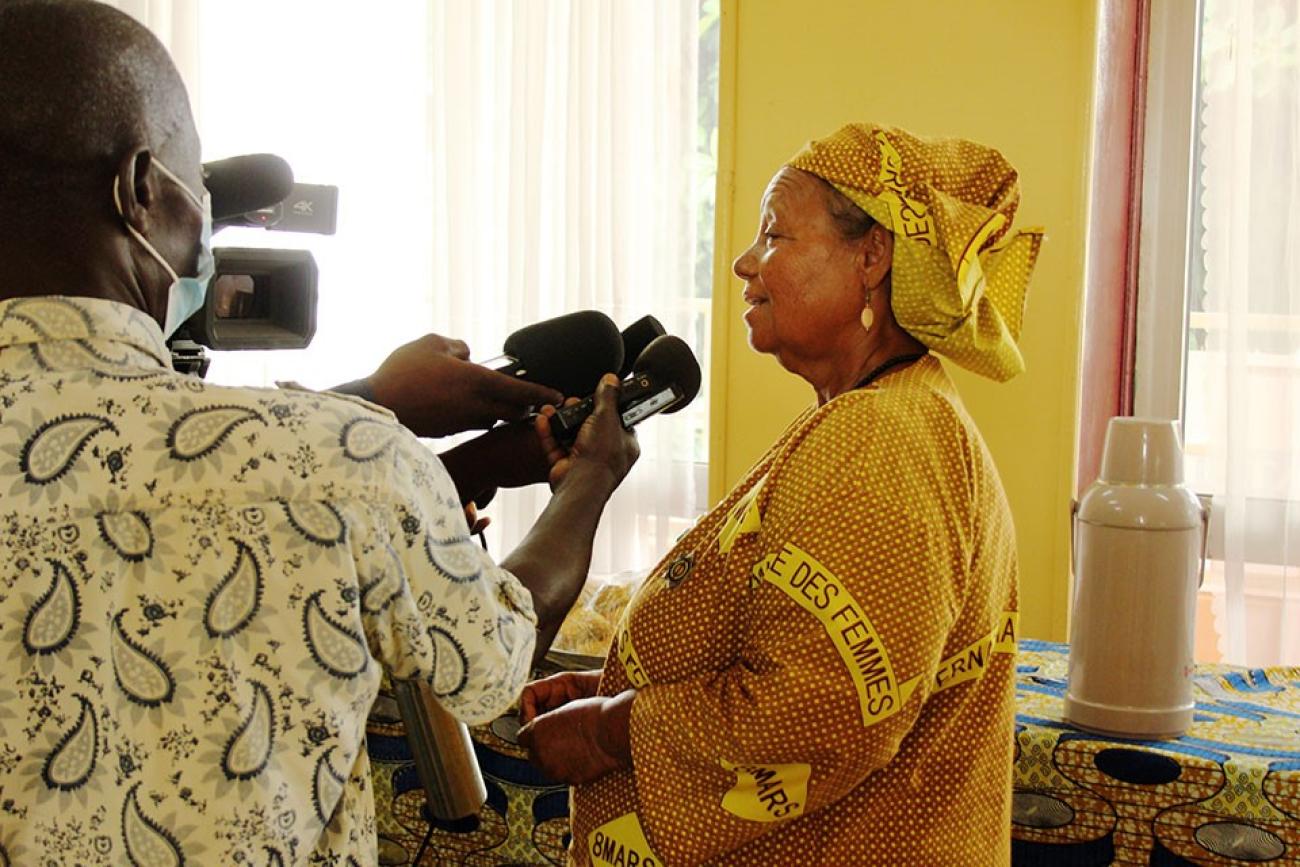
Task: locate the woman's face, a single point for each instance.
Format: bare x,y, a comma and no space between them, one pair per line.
803,280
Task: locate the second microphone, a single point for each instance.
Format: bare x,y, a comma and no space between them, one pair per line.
665,378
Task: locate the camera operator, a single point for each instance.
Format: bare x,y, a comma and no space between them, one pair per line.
203,585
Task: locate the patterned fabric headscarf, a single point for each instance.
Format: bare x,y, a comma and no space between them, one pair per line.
947,201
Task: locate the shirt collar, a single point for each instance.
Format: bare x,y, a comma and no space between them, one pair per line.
52,318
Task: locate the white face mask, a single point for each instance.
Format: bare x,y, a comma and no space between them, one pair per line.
185,295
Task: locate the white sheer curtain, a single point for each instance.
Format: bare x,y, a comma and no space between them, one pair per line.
499,162
1243,370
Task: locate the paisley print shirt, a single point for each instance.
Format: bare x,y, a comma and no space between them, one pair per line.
200,588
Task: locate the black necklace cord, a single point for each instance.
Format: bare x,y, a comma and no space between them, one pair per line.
896,361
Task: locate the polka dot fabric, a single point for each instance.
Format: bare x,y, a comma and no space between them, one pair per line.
948,203
752,740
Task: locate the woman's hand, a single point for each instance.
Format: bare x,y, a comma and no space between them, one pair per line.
547,694
583,740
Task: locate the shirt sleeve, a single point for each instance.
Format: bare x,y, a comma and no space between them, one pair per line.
853,601
434,605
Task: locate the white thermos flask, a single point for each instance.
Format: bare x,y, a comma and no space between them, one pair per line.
1139,536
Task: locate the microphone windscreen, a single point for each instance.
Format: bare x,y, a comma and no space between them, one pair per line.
669,359
246,183
636,337
569,353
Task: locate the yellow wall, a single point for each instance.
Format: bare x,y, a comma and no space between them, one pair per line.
1015,74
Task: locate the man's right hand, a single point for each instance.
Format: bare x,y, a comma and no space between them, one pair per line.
602,440
434,389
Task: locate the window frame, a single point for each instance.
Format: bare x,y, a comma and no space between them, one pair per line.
1165,230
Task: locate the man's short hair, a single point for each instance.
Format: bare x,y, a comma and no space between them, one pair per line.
80,84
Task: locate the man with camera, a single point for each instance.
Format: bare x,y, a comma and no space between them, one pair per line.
201,586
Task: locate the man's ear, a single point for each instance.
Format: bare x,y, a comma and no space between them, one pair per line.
136,188
876,256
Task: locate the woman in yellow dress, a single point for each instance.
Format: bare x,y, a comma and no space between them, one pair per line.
821,670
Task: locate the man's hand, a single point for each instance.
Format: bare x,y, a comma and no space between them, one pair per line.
602,440
508,456
435,390
583,740
545,695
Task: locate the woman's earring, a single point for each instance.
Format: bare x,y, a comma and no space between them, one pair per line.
868,315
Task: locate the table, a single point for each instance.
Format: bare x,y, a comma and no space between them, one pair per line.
1230,787
1228,792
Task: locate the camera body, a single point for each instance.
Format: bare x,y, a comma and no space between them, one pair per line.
260,298
310,208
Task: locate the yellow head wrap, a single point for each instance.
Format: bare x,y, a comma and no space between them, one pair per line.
947,201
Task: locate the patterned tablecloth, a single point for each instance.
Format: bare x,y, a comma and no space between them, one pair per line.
1227,793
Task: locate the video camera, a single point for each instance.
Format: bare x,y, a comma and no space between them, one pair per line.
259,298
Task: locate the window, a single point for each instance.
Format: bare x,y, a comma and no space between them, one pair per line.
1234,320
498,163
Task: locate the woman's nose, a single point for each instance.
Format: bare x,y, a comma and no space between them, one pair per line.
743,265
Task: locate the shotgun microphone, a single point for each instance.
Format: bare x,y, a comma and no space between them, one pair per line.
246,183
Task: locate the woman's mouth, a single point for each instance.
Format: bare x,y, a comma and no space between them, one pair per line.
752,314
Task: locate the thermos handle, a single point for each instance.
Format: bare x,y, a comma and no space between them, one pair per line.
1205,542
1074,532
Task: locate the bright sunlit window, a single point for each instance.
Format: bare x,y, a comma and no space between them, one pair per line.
1238,317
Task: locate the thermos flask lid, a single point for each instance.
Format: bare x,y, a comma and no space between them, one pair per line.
1141,483
1142,451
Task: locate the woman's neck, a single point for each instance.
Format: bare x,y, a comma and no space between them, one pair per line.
880,345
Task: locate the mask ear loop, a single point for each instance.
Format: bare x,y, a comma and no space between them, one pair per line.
117,203
178,182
